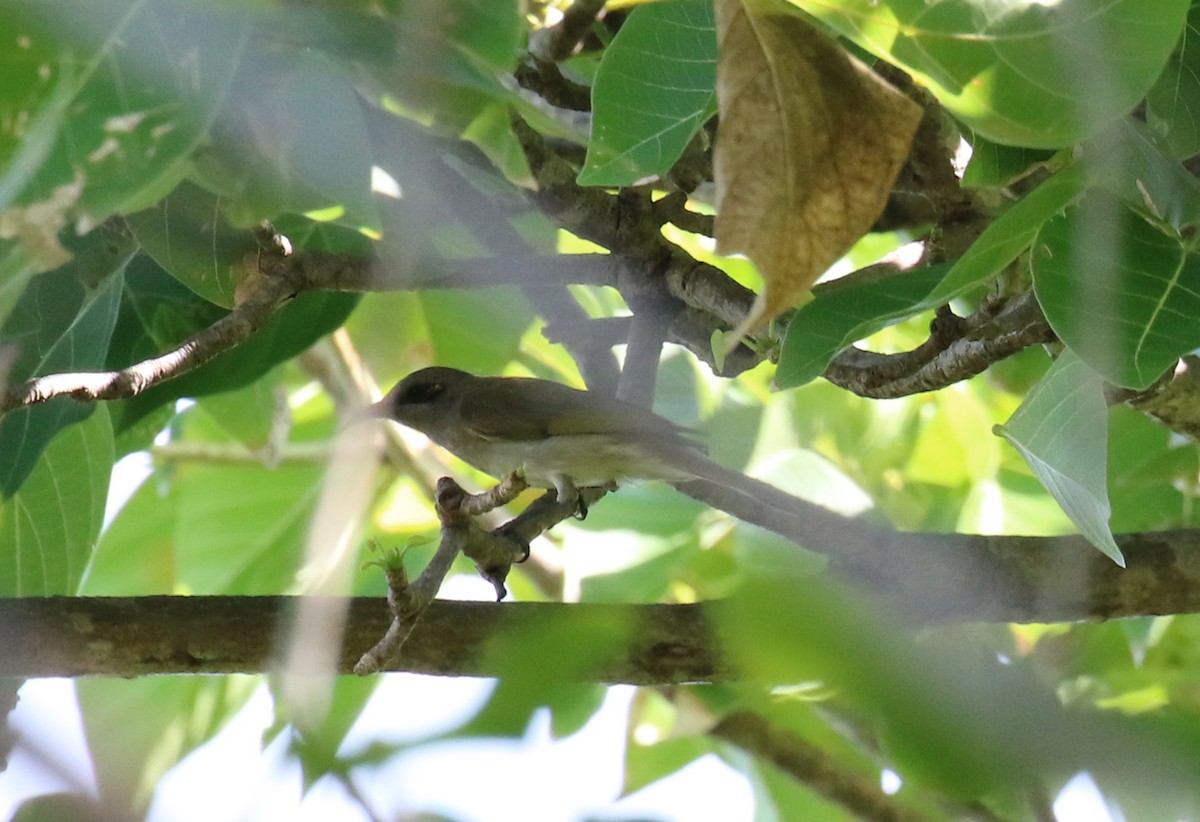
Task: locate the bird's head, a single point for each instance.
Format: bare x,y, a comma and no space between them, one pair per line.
423,399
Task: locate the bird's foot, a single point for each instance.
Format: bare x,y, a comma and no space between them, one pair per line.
568,494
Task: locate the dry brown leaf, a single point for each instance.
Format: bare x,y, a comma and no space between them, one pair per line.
809,145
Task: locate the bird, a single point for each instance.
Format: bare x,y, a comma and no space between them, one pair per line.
556,436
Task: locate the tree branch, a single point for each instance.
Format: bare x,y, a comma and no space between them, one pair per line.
265,294
558,41
811,766
139,636
629,224
957,349
927,577
545,80
1174,401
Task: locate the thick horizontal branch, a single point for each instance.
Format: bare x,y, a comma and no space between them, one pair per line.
137,636
936,577
980,578
925,577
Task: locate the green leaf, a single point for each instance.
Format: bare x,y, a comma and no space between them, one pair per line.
154,722
1173,104
136,554
59,326
1010,233
527,683
311,235
272,155
48,529
264,512
17,269
652,509
492,337
789,798
186,233
492,132
1121,293
847,310
1130,161
1040,75
992,164
249,415
947,448
574,708
646,764
655,88
1061,429
145,82
449,64
316,744
22,153
158,313
52,807
653,564
1144,176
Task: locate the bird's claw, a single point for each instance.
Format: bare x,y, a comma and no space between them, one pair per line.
511,534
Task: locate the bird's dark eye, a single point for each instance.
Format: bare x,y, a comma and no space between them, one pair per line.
421,393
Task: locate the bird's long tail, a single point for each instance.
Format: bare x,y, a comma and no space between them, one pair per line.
762,504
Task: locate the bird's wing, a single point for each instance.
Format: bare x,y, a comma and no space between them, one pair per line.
559,410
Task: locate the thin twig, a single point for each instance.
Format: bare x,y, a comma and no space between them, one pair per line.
263,295
460,535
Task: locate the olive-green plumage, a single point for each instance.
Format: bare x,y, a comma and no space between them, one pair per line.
558,436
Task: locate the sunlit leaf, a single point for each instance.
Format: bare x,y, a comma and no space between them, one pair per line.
809,145
1062,432
1034,74
655,88
136,554
947,449
264,512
